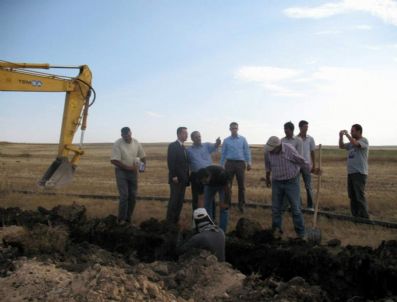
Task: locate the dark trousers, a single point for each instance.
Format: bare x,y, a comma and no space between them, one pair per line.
196,188
127,185
237,168
307,179
356,189
175,204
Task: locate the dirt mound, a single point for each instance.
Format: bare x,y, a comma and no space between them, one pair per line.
101,260
197,276
341,272
38,281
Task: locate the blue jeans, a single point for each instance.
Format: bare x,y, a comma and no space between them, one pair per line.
291,190
285,199
209,193
307,179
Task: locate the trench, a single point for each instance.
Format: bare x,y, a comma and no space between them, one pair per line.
343,272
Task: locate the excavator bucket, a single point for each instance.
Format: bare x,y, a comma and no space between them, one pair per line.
58,174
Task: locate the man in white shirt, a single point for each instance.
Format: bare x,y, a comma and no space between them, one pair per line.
309,148
289,138
127,155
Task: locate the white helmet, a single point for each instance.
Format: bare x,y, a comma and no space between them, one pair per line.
202,220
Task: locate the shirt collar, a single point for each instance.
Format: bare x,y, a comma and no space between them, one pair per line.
303,138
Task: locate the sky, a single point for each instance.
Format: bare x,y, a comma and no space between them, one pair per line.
158,65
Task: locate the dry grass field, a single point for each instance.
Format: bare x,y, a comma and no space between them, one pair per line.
23,164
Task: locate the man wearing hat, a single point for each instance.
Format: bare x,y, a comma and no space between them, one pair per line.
208,236
127,155
284,163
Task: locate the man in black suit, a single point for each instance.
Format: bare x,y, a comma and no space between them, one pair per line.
178,175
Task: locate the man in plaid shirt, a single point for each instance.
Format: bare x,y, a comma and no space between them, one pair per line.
284,163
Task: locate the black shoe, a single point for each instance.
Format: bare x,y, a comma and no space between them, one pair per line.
123,222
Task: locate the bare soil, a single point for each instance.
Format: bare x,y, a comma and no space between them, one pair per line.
61,255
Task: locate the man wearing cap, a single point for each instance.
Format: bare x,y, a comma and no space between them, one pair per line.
236,158
283,164
127,154
208,236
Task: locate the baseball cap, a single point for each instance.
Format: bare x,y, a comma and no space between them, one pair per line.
201,219
272,143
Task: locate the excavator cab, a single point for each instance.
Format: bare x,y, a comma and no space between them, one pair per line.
21,77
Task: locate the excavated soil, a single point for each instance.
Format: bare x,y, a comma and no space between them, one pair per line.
60,255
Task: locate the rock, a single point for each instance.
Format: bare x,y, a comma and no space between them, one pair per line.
297,281
281,287
160,268
42,239
334,242
67,214
246,228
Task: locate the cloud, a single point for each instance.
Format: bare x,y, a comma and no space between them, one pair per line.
322,11
273,79
154,114
362,27
373,47
312,61
386,10
332,85
354,89
328,32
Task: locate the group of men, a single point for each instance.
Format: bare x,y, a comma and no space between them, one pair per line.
207,179
285,159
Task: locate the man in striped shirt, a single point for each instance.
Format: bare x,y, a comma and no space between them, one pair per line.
284,163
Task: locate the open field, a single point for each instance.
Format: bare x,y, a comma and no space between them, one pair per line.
23,164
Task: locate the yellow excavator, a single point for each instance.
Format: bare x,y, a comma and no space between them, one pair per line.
25,77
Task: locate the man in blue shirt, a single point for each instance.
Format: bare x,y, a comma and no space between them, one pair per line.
199,156
236,157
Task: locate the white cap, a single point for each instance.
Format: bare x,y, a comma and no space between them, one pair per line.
202,219
272,143
200,213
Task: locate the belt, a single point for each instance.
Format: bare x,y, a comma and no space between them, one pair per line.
287,180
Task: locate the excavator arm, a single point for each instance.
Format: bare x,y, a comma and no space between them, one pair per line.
21,77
